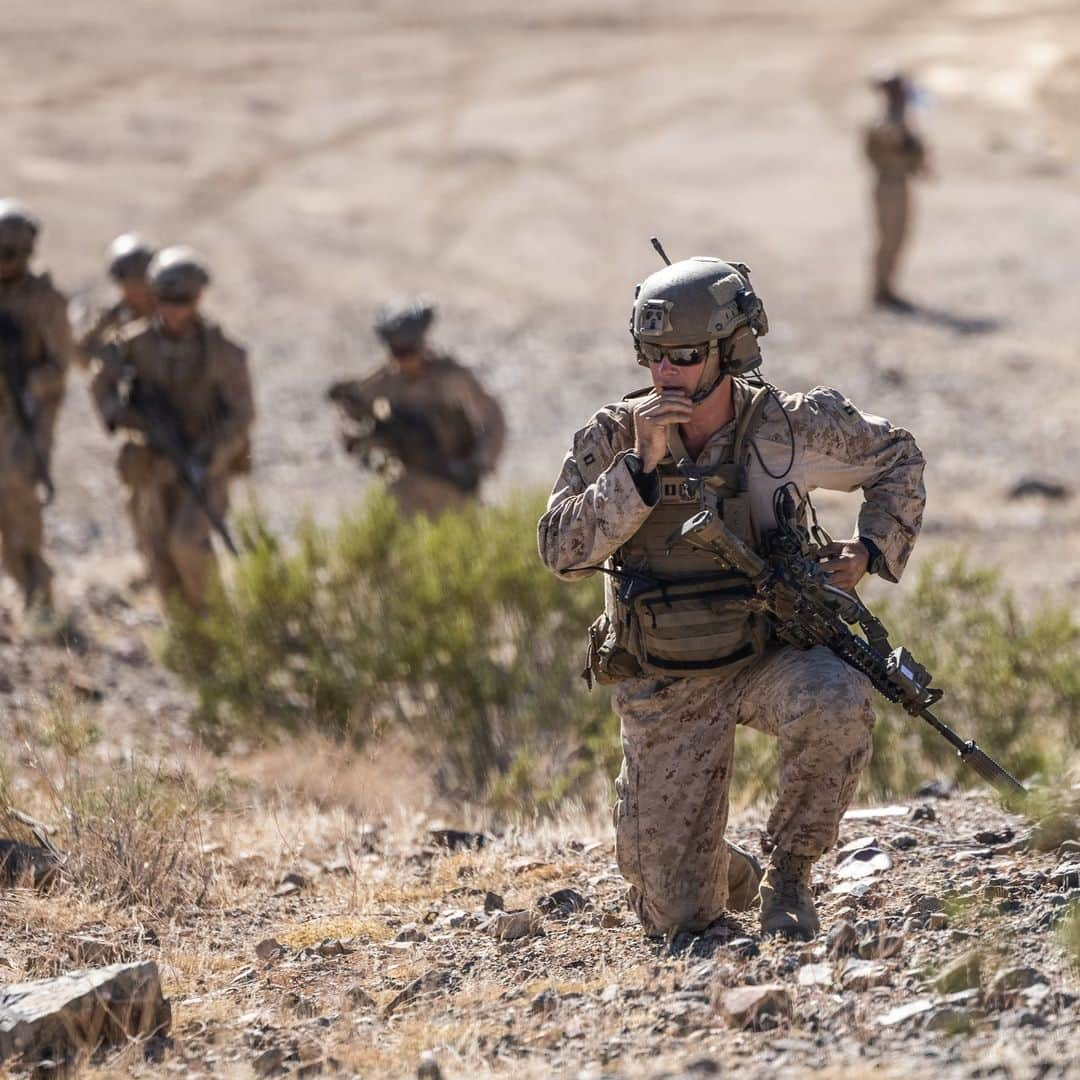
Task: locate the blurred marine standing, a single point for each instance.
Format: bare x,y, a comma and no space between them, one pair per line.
180,391
128,258
422,419
35,352
896,155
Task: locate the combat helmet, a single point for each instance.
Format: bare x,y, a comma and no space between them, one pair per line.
702,301
128,256
177,274
402,324
18,228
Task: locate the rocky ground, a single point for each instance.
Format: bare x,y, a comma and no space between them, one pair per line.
369,949
513,162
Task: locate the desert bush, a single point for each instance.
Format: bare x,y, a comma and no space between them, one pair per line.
451,629
454,631
129,831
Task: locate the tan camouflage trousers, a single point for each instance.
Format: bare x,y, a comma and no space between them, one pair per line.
22,531
892,208
171,531
678,739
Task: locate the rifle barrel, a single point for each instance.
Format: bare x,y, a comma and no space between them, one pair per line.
972,754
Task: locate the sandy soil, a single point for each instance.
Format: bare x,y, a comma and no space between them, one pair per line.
513,163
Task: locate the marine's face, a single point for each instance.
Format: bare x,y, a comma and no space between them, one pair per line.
177,316
412,363
137,295
13,261
675,369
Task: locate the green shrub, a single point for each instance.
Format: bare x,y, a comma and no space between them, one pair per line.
452,629
130,830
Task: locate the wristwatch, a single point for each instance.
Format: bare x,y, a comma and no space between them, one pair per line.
876,563
645,482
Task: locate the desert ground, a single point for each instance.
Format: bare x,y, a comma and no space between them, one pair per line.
512,161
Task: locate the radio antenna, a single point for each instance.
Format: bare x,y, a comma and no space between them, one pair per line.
655,241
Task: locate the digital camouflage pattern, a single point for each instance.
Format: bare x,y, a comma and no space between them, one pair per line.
678,741
678,733
205,378
40,309
465,421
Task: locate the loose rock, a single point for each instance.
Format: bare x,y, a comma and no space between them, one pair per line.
902,1013
864,862
881,946
27,864
756,1007
562,903
963,973
431,982
456,839
815,975
269,949
842,940
512,925
863,975
56,1019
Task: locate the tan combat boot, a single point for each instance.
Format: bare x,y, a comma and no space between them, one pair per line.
787,908
743,879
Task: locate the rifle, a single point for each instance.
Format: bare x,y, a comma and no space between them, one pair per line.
790,586
165,434
406,434
14,369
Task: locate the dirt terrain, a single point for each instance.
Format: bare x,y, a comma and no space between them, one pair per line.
512,161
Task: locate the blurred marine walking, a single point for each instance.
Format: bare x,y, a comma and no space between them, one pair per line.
180,391
128,258
688,653
421,419
35,351
896,155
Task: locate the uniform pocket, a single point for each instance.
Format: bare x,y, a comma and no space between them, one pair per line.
687,629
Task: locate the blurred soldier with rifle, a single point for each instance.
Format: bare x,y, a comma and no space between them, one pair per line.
127,258
35,339
686,639
421,419
181,392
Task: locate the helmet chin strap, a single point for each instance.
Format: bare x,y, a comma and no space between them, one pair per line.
712,375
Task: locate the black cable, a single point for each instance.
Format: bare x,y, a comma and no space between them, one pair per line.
756,373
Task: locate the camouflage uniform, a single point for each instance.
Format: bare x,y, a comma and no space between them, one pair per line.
40,310
101,327
678,733
205,378
466,428
896,154
128,258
